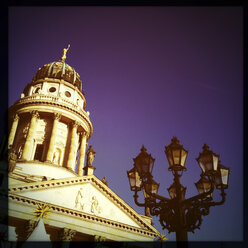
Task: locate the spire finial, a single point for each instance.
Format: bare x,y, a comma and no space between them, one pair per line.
64,53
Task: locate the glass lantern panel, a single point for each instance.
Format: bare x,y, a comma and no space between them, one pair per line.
202,166
131,177
151,164
224,176
145,168
176,156
215,162
169,157
132,181
207,162
183,157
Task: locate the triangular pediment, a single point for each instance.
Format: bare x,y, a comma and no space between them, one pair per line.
86,194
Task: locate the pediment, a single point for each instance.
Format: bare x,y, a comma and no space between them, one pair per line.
86,194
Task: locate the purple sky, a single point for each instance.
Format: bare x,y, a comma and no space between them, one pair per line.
149,73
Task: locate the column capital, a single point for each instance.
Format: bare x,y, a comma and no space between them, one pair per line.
34,113
16,117
66,234
57,116
83,134
98,238
75,124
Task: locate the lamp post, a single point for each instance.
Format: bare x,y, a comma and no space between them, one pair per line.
178,214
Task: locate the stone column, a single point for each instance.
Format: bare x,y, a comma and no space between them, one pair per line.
71,163
30,137
82,153
13,130
50,151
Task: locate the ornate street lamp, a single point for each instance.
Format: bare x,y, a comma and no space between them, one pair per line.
178,214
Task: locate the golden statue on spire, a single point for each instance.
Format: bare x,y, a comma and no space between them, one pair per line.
64,53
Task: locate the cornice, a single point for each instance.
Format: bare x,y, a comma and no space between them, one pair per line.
77,214
52,101
84,179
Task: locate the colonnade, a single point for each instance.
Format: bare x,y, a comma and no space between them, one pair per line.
74,142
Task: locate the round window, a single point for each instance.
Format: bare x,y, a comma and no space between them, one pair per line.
52,89
68,94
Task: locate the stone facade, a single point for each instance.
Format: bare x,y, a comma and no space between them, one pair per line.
49,131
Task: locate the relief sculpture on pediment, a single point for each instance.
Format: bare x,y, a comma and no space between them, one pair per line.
95,208
79,201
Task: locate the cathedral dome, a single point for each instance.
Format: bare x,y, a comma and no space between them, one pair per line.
59,70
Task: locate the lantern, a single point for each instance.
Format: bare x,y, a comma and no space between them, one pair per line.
151,187
134,180
203,185
208,161
221,178
176,155
144,163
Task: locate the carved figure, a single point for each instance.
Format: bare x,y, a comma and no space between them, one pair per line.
64,53
56,157
79,200
90,156
12,160
95,208
105,181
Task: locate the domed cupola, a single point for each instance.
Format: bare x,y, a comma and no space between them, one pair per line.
49,125
59,70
